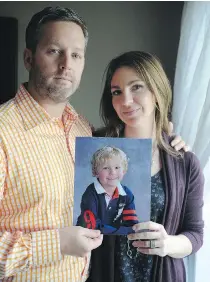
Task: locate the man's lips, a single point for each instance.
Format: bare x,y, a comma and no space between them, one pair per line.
64,78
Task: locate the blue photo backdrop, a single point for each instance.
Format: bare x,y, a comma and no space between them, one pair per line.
137,178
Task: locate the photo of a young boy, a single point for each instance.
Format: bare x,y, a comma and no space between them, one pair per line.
106,204
112,183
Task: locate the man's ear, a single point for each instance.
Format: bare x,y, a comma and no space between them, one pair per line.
27,57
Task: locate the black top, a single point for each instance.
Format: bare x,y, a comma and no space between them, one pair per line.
134,266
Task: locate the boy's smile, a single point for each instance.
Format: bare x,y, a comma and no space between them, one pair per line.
110,172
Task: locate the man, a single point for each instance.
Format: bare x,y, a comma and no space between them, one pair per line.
37,134
37,137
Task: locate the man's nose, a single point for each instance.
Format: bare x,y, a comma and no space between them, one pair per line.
66,61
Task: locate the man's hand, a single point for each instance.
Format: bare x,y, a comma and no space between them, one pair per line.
78,241
177,143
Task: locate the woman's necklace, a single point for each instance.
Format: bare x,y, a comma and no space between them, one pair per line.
154,149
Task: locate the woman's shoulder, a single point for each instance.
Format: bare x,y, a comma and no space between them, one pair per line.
193,169
99,132
188,159
192,162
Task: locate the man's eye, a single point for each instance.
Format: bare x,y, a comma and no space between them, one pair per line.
117,167
54,51
116,93
76,56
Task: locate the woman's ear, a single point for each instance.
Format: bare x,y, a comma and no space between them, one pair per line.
27,57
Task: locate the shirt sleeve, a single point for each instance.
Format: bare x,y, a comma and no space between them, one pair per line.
2,172
89,210
20,251
129,212
193,220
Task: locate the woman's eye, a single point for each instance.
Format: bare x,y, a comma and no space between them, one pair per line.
116,93
137,86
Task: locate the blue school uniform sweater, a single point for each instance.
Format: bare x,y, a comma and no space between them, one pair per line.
117,217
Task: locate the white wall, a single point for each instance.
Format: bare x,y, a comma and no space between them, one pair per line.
114,27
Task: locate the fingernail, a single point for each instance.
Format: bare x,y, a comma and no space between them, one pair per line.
130,237
135,244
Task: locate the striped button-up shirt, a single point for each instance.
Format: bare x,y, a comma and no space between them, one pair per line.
36,191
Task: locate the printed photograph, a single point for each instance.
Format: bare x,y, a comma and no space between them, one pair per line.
112,185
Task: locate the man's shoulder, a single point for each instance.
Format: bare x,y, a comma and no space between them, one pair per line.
81,124
83,120
7,111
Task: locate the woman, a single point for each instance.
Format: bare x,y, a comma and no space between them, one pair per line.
135,103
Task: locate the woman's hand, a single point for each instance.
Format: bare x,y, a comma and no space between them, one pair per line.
156,241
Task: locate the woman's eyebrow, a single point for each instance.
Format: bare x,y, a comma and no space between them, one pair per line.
129,83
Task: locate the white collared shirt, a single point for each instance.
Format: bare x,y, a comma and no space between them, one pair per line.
100,190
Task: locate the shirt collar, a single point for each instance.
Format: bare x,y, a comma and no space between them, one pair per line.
33,114
100,190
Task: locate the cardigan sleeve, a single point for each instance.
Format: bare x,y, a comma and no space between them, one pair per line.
193,221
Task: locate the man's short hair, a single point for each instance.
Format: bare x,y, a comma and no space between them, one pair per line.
105,153
50,14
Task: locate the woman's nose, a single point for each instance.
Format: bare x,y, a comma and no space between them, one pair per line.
127,99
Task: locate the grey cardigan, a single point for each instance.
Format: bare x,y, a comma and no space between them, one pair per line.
184,184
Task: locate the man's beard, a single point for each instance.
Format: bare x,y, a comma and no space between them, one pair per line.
57,93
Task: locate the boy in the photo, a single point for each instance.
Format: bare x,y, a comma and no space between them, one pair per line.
106,204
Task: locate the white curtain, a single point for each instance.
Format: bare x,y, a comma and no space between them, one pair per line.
191,111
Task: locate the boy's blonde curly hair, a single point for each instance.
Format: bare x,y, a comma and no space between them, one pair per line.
105,153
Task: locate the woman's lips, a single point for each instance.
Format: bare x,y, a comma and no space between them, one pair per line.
131,112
